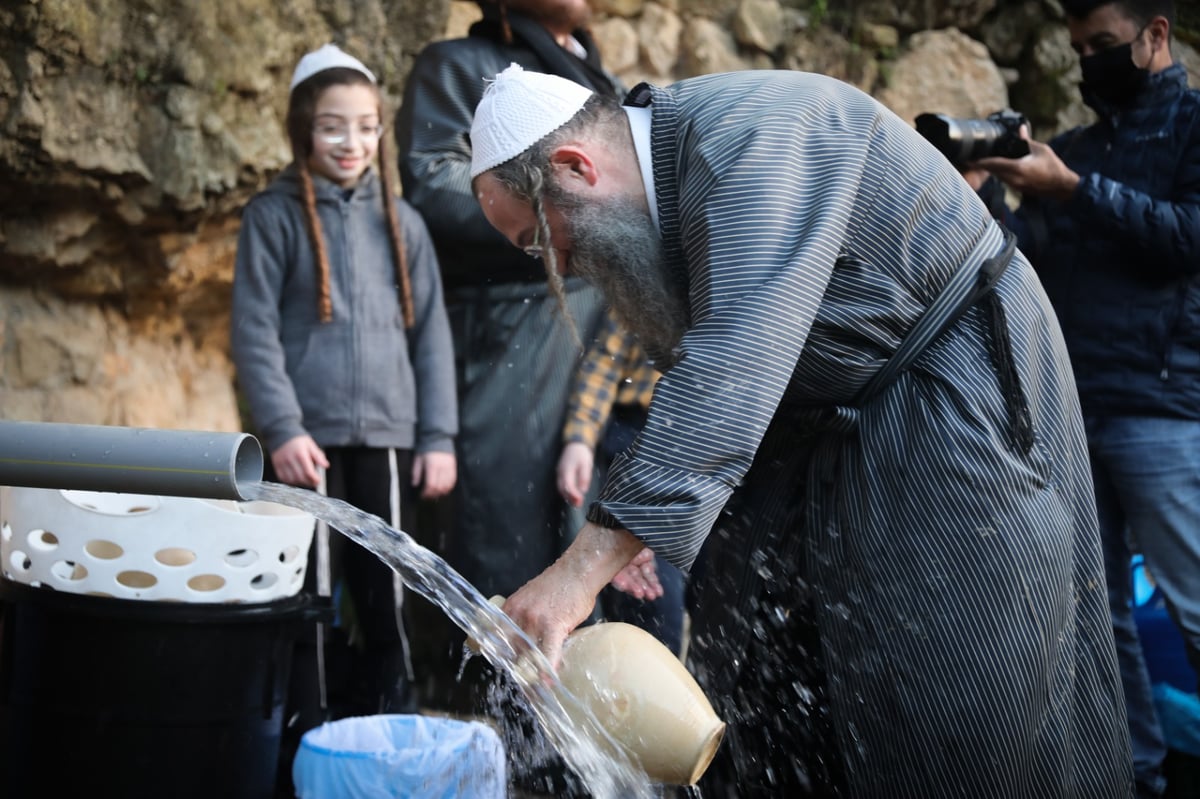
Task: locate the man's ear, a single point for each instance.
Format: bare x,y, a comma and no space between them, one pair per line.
1160,30
1160,43
572,162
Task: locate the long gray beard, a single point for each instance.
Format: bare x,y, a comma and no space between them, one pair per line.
616,247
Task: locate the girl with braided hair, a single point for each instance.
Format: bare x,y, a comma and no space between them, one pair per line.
343,353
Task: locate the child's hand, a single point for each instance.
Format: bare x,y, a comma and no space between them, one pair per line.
297,462
435,472
574,472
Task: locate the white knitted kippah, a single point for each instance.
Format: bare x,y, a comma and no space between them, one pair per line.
518,110
329,56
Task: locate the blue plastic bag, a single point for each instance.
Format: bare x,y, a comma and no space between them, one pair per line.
1179,713
1171,674
415,757
1162,644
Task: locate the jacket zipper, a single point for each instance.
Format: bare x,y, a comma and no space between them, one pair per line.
356,422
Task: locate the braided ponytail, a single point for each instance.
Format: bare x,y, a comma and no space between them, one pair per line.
389,208
324,300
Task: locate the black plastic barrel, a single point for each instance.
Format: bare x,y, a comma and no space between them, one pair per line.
122,698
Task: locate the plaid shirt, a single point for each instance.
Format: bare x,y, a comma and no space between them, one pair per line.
613,371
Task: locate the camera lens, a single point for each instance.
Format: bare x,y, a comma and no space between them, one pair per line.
960,140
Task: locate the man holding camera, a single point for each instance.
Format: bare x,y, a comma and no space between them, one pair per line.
1110,218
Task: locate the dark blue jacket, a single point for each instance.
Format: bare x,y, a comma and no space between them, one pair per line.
1120,259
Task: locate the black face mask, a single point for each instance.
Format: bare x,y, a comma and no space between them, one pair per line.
1111,76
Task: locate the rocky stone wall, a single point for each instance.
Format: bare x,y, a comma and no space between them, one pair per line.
133,132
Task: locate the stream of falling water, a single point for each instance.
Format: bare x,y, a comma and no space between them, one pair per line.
599,761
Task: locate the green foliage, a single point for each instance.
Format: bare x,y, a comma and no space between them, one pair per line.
885,73
818,13
1187,23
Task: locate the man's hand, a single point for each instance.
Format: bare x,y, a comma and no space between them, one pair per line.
297,462
435,472
1041,173
639,578
975,177
575,472
551,605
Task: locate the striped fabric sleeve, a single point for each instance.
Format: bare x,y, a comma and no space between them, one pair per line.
778,181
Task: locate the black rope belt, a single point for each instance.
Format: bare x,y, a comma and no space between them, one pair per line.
966,287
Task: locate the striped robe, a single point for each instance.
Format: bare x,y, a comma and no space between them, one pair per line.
937,585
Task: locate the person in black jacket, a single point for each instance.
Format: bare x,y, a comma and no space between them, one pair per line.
1110,218
515,367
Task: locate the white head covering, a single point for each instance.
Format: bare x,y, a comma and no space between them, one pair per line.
518,110
328,57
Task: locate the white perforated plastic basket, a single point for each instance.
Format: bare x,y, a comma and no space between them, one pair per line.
135,546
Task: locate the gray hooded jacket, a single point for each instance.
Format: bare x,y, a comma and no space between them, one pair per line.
361,378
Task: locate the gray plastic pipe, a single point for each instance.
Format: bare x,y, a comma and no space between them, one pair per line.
180,463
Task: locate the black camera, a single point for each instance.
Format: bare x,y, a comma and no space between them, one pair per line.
966,140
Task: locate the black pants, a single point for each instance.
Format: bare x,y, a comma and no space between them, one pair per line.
370,632
363,663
